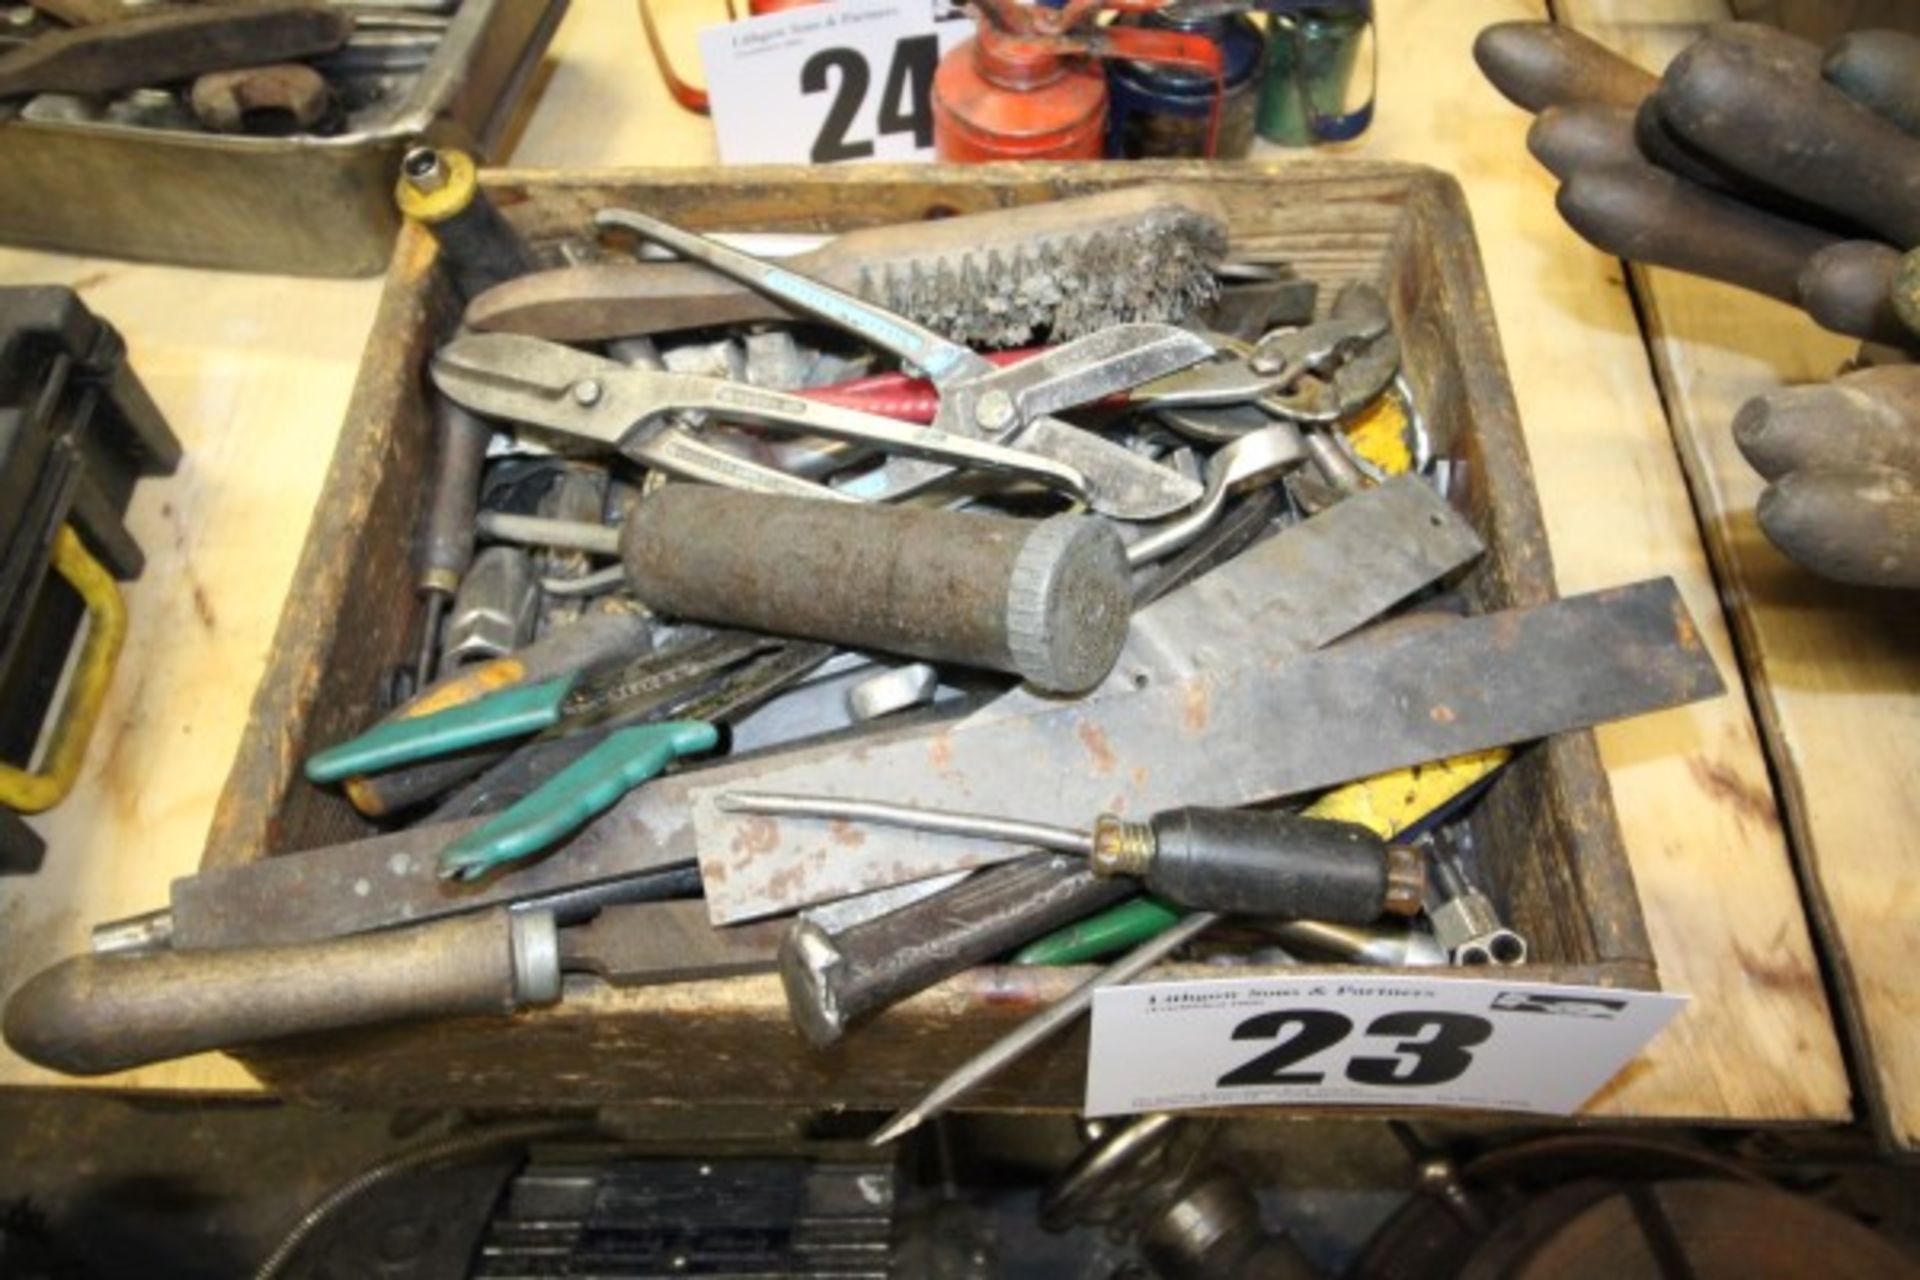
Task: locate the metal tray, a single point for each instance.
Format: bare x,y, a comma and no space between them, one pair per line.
307,206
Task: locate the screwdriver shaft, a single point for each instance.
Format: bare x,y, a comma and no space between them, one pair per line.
1042,835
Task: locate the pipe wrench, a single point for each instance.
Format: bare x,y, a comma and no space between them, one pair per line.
1265,372
979,399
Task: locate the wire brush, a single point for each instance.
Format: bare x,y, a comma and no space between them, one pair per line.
1052,271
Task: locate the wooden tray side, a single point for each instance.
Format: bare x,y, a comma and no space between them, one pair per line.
352,612
605,1046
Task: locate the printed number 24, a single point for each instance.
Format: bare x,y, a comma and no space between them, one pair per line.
909,75
1431,1048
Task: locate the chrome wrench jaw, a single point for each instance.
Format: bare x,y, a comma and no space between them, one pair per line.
656,393
1264,373
1256,458
938,359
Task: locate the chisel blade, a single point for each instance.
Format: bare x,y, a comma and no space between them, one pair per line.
1231,735
654,943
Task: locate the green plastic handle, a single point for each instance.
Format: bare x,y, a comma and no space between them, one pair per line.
1118,928
509,713
589,786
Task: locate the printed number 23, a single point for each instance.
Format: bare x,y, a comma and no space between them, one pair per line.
1431,1048
909,76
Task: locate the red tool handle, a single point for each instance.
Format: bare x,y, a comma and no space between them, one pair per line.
895,395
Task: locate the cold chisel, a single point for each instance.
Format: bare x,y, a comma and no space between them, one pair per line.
1641,212
1879,70
1544,64
835,979
1869,418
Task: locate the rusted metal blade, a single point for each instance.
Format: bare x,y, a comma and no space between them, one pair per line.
1234,734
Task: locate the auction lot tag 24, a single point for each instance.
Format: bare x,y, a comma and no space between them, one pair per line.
1363,1041
847,80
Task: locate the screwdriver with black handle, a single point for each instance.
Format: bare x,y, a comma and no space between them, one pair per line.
1235,861
835,979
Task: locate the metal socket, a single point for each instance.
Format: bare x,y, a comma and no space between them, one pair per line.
1471,930
495,610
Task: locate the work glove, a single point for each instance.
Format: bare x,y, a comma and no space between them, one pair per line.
1761,161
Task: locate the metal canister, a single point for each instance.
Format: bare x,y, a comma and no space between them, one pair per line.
1312,51
1001,97
1160,110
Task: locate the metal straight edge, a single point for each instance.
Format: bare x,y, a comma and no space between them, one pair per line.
1234,735
1295,592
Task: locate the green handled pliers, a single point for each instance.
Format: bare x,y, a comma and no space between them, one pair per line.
590,785
571,798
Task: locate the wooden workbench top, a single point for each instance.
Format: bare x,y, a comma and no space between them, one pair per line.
254,374
1834,671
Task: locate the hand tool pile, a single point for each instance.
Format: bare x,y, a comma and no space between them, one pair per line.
902,656
1760,160
267,67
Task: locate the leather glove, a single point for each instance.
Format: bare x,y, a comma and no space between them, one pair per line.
1760,160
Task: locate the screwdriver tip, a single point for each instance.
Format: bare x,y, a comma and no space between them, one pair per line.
902,1124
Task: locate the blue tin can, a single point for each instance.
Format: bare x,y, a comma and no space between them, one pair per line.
1160,111
1313,49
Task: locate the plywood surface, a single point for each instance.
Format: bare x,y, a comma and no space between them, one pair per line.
1835,671
1697,815
1695,806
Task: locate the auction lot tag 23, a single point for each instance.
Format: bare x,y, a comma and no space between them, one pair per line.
847,80
1363,1041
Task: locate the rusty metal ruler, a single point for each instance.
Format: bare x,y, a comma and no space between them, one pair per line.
1304,587
1235,734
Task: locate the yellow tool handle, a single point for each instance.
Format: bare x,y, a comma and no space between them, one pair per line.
29,791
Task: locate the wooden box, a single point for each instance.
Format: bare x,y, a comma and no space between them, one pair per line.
1547,828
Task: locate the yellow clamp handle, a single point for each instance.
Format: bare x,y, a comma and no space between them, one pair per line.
31,792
